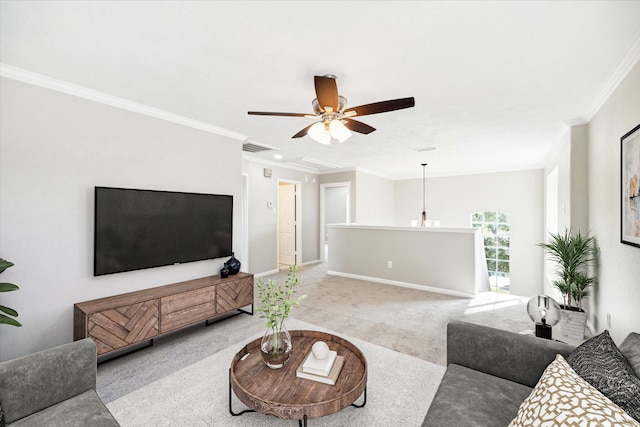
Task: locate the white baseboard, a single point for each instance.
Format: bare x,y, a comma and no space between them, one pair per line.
315,261
402,284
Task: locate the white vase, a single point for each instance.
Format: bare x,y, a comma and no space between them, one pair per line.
573,323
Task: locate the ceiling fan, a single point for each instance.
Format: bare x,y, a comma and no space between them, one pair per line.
335,120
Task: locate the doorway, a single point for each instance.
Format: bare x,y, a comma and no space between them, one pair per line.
288,223
335,208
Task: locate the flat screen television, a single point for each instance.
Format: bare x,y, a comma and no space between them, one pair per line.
138,229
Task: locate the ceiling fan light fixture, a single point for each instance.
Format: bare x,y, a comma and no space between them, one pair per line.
339,131
319,133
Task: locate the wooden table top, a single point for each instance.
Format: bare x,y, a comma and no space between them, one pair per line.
280,393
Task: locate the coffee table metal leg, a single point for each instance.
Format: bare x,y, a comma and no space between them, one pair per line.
364,402
303,421
230,397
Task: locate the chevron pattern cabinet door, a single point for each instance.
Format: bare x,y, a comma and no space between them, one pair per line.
119,327
235,294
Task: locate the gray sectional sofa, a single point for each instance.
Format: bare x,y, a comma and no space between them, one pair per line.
54,387
491,372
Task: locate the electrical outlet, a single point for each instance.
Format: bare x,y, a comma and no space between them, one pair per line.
389,264
608,320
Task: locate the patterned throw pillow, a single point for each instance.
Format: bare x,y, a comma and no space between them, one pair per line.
602,364
562,398
630,347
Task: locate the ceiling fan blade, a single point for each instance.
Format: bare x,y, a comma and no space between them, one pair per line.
357,126
267,113
303,132
380,107
326,92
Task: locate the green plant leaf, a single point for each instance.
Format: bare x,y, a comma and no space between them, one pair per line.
4,264
8,287
574,254
9,321
8,310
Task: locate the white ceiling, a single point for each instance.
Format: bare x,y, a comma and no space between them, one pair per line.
494,82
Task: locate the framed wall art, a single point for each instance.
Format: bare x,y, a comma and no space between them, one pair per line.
630,187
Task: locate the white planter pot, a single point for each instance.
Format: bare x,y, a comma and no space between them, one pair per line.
573,324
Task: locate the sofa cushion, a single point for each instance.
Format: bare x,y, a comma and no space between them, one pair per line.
46,377
85,409
630,347
563,398
601,364
467,397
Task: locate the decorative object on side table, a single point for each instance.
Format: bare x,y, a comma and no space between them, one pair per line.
9,313
224,272
545,312
233,264
574,254
630,187
276,304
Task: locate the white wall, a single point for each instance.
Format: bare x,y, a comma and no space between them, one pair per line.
263,220
618,288
54,149
374,202
453,200
572,197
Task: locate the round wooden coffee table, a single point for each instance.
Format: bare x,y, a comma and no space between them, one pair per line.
280,393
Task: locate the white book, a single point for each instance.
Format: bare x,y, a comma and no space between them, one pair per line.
322,367
329,379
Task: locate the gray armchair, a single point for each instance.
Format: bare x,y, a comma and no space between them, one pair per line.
54,387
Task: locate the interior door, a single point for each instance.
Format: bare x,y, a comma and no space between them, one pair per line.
287,224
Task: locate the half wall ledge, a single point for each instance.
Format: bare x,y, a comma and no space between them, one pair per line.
444,260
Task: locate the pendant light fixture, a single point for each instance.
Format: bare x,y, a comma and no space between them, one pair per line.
423,223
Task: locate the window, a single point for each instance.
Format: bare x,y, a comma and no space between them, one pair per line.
496,231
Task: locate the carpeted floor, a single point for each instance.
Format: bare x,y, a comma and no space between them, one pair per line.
406,320
399,391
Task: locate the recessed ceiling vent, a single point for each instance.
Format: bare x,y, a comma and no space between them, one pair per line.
253,147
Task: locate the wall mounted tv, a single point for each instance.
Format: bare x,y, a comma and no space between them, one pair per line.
138,229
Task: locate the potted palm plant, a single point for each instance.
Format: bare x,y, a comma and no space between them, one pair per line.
574,253
7,314
277,301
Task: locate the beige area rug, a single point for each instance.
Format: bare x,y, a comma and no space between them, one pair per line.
399,391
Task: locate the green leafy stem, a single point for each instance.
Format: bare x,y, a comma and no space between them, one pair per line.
7,314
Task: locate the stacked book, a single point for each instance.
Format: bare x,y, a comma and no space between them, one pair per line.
322,370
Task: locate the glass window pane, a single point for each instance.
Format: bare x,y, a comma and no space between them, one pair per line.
502,241
496,232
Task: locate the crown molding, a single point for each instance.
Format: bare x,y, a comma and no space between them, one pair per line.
628,61
35,79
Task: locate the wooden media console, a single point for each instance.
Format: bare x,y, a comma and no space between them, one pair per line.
119,321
